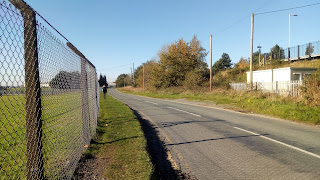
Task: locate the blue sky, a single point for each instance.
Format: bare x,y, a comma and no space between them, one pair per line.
115,34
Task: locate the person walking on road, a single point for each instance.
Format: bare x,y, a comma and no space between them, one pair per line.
104,89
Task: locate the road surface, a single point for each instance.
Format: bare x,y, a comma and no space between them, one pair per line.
213,143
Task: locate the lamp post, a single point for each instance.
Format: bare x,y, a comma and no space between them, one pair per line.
289,35
259,47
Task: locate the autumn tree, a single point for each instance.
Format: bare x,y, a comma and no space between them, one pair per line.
238,73
123,80
148,66
242,64
176,60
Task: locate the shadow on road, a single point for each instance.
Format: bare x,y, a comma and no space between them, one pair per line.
215,139
162,166
169,124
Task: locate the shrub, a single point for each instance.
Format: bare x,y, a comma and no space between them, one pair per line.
194,79
311,91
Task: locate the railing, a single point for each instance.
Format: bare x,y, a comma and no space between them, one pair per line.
48,98
279,87
305,51
238,86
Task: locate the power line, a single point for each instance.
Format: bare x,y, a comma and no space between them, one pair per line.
116,67
244,18
264,5
298,7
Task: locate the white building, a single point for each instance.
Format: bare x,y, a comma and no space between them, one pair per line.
281,80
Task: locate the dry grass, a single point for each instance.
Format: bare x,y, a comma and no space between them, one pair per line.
303,63
258,102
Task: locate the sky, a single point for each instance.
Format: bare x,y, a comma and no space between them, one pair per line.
115,34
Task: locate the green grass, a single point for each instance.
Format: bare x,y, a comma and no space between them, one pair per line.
123,140
120,139
12,137
276,106
62,134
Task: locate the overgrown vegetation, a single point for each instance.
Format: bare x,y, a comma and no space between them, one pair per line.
311,89
176,64
120,141
180,71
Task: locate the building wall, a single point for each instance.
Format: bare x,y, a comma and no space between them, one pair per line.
281,80
281,74
260,76
300,74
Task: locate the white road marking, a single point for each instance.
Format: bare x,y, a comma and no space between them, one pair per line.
184,111
279,142
151,102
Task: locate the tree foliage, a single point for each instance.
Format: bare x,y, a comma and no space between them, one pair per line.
223,63
176,61
148,67
242,64
123,80
309,49
194,78
277,52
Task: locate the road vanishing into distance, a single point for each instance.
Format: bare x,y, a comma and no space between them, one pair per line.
213,143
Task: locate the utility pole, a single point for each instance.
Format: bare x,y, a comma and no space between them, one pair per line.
259,47
131,75
143,77
133,71
251,53
210,63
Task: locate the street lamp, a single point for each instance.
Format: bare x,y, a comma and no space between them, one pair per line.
289,35
259,47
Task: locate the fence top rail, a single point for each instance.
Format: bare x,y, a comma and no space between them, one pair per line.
18,4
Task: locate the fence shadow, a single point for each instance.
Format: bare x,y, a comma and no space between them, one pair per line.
162,166
215,139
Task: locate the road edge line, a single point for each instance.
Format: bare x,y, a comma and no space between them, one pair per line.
279,142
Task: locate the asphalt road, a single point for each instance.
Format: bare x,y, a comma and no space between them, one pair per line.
213,143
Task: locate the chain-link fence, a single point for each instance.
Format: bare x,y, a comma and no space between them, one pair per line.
48,98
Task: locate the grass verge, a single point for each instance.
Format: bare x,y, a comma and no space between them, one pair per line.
62,132
267,104
120,143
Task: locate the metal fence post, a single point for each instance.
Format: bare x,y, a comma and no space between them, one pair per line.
84,99
298,52
32,93
84,95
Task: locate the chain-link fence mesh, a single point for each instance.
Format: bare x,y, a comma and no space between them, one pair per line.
48,99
